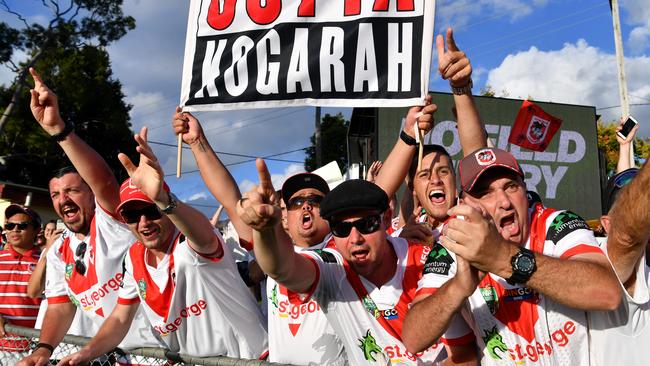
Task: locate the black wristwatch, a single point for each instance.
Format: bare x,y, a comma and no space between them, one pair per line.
69,127
523,266
407,139
173,202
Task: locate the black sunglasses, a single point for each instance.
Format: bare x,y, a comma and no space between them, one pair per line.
79,265
21,225
296,203
365,225
151,212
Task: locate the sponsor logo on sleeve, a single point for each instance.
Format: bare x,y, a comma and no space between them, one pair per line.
565,223
439,261
142,289
327,257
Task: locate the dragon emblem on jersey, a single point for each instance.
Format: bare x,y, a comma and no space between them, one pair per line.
494,341
369,347
274,296
491,298
371,307
142,289
565,223
68,270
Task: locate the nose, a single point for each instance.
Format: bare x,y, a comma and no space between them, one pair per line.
355,237
434,179
503,201
307,206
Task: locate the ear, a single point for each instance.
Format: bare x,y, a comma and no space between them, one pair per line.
604,222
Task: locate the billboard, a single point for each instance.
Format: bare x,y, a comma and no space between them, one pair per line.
566,175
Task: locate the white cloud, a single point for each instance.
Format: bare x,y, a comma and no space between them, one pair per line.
460,13
277,179
576,74
638,15
199,196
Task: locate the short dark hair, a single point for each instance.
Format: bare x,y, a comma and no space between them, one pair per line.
426,150
63,171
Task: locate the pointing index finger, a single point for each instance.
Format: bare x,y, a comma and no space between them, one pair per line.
37,78
265,177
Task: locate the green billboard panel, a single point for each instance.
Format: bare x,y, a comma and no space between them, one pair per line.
566,175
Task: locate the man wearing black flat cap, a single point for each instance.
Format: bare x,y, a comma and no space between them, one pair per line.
364,287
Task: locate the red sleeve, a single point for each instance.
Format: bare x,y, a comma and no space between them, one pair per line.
123,301
58,299
581,249
464,340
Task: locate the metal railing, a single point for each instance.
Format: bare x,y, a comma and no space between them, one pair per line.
140,356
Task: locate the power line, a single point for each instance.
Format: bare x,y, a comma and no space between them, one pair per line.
618,106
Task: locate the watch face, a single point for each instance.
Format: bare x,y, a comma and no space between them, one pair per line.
525,264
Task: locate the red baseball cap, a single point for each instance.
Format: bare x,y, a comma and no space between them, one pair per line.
130,193
475,164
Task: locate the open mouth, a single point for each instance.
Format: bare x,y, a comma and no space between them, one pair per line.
306,221
437,196
508,225
149,233
69,212
360,255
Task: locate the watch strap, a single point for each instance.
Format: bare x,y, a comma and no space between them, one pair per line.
518,276
467,89
69,127
173,202
44,345
407,139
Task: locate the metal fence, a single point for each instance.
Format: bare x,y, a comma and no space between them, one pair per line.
27,338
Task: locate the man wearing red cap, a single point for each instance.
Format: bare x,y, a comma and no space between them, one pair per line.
84,264
520,276
17,261
180,274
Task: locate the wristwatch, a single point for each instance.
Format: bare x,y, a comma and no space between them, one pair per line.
523,266
467,89
171,206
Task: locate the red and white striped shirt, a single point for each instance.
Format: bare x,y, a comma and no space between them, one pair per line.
15,306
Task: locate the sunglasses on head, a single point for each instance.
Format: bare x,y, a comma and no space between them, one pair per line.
296,203
151,212
365,225
625,178
79,253
21,225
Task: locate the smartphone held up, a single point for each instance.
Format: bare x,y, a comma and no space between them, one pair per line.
627,127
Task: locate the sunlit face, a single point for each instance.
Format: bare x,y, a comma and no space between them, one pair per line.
502,193
305,225
154,233
21,238
435,185
50,227
364,252
73,201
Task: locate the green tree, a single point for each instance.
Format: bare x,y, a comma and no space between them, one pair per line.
608,144
88,96
334,131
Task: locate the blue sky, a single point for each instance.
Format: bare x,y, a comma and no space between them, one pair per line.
552,50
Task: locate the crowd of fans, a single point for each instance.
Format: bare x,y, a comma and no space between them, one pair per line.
474,269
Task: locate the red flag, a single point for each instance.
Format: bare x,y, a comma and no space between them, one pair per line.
533,129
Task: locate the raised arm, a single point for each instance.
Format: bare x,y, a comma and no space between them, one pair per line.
629,226
625,146
215,175
275,257
454,66
90,165
148,177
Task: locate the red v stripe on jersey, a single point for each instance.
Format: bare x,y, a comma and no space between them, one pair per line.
158,302
293,327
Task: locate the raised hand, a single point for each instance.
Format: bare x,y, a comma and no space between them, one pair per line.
423,116
45,106
630,136
187,125
373,171
148,176
475,238
453,64
258,208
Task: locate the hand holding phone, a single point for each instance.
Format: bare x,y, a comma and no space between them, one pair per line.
629,124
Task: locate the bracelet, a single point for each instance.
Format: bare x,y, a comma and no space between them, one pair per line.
407,139
467,89
69,127
44,345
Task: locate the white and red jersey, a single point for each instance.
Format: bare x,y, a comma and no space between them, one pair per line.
369,319
621,336
300,334
198,305
513,324
95,292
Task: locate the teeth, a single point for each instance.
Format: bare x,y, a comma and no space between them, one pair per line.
436,191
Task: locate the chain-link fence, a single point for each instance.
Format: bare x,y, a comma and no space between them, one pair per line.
23,340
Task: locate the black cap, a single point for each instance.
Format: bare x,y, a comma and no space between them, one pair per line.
614,185
16,209
301,181
353,195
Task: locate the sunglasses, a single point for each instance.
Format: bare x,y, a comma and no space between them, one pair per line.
365,225
79,265
625,178
21,225
296,203
151,212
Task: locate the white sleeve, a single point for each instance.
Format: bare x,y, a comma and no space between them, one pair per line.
440,267
55,286
128,292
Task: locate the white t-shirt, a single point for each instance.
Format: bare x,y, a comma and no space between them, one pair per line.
622,336
513,323
300,334
95,292
197,305
370,328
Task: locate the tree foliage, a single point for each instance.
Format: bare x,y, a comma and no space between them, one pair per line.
333,143
608,144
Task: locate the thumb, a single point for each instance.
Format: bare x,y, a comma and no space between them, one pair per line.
451,43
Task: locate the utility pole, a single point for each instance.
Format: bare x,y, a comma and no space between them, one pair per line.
622,83
317,137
